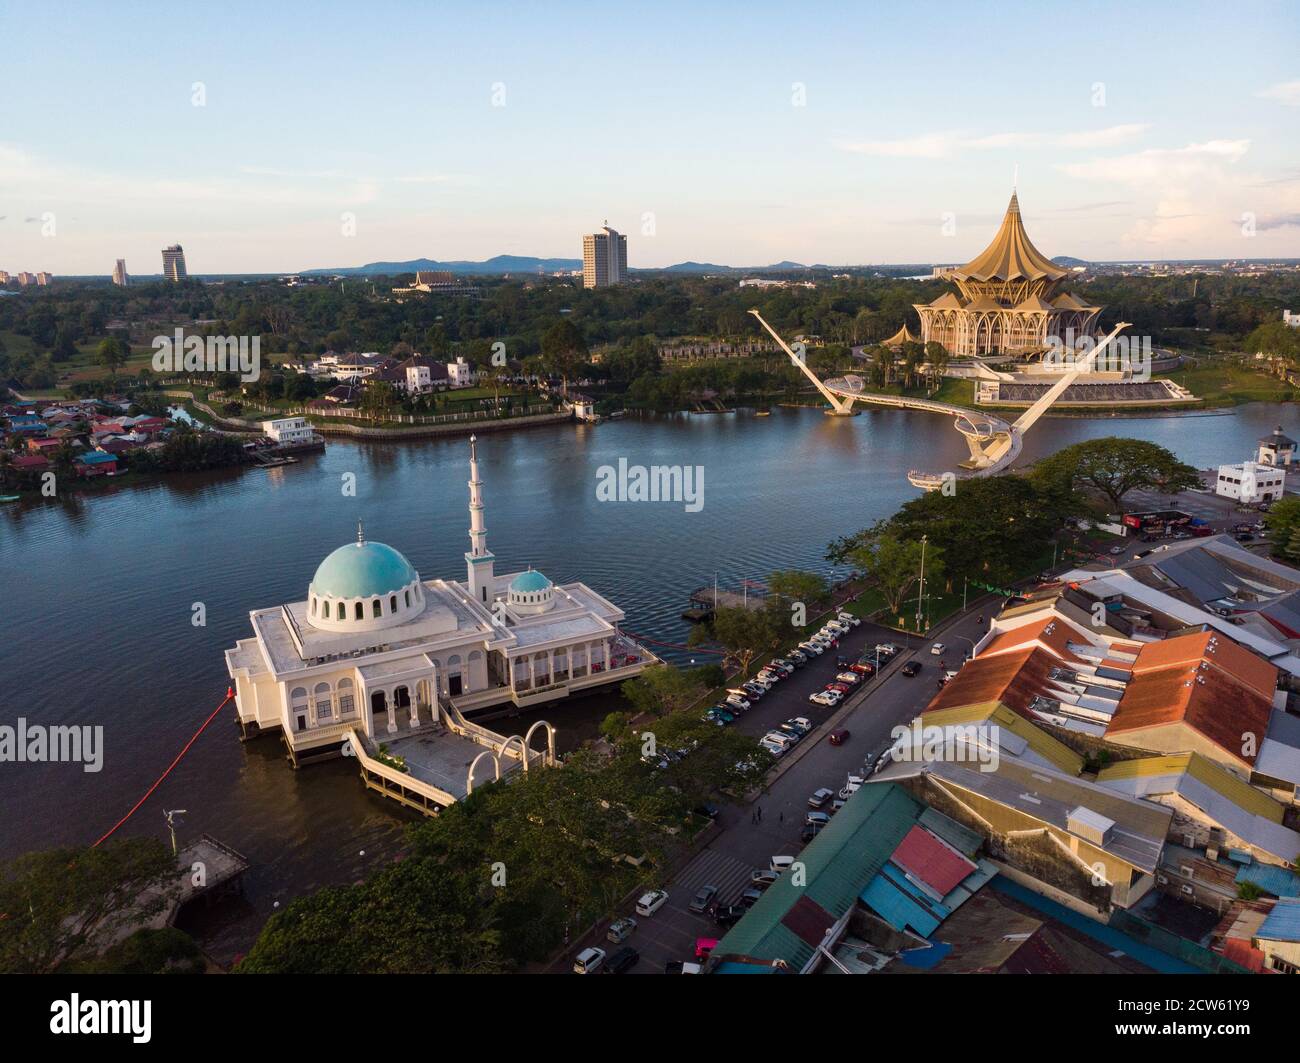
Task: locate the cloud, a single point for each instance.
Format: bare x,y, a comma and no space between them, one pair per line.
1157,166
1278,221
1284,92
941,145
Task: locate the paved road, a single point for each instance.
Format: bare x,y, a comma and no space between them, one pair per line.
740,844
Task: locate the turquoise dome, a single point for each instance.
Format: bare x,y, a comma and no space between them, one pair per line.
530,582
362,570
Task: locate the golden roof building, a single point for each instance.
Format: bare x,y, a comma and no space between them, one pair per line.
1010,300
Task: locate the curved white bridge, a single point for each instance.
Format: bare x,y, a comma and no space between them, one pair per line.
994,444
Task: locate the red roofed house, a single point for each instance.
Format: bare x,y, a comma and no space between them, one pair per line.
1200,693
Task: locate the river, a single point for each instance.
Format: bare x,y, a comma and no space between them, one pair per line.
100,593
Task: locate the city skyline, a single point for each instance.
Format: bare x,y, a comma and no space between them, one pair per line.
884,141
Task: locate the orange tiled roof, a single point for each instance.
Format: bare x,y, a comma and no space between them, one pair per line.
1053,632
1014,678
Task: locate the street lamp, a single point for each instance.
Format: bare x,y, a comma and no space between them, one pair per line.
171,825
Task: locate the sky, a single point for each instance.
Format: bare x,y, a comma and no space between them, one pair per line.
277,137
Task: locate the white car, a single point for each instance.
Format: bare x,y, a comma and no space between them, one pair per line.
850,619
779,737
777,749
852,678
781,863
829,698
812,647
738,701
838,626
937,649
649,903
589,961
765,680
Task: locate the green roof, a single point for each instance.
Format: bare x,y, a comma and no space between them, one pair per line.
838,863
362,570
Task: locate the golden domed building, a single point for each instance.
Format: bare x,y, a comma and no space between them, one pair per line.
1010,300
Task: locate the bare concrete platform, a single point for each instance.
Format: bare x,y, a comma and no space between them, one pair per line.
441,758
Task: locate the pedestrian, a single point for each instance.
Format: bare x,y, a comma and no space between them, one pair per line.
780,817
760,813
979,619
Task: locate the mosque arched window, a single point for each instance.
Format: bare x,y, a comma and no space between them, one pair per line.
341,611
358,612
392,603
376,609
324,705
408,597
347,704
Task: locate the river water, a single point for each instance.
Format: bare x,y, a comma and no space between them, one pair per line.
99,595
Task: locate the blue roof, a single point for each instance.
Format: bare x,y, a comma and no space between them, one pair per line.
1283,922
529,582
1271,879
95,457
362,570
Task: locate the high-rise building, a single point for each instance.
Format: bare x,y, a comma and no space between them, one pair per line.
174,264
43,279
26,278
604,259
119,272
4,276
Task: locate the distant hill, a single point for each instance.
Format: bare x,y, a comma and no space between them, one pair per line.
497,265
527,264
1066,260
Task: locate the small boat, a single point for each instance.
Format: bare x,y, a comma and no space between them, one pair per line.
10,498
762,413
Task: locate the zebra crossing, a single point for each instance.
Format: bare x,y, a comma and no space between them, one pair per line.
713,868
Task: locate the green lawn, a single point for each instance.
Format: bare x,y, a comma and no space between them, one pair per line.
1225,382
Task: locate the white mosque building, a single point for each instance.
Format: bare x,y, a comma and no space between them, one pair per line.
376,654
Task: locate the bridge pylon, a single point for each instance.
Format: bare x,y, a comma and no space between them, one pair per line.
839,407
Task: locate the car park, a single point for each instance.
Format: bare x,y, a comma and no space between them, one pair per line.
838,738
820,797
911,668
649,903
589,961
620,930
704,896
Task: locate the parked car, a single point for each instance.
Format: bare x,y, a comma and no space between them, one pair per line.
706,810
752,895
704,896
937,649
801,723
780,864
703,946
797,657
649,903
623,960
850,677
681,967
864,670
829,698
817,817
838,738
783,737
850,619
911,668
728,914
761,878
754,690
777,749
808,832
589,961
820,797
620,930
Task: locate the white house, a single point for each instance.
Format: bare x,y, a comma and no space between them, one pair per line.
460,374
1250,481
289,430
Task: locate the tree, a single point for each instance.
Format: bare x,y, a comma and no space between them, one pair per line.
894,564
1281,523
1114,466
745,633
58,906
563,350
789,586
111,354
661,689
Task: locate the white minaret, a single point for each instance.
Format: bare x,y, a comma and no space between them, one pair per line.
478,560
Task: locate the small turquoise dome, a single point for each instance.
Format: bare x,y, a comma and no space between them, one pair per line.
362,570
530,582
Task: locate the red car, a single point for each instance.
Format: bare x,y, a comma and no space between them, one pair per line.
843,688
862,669
838,738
